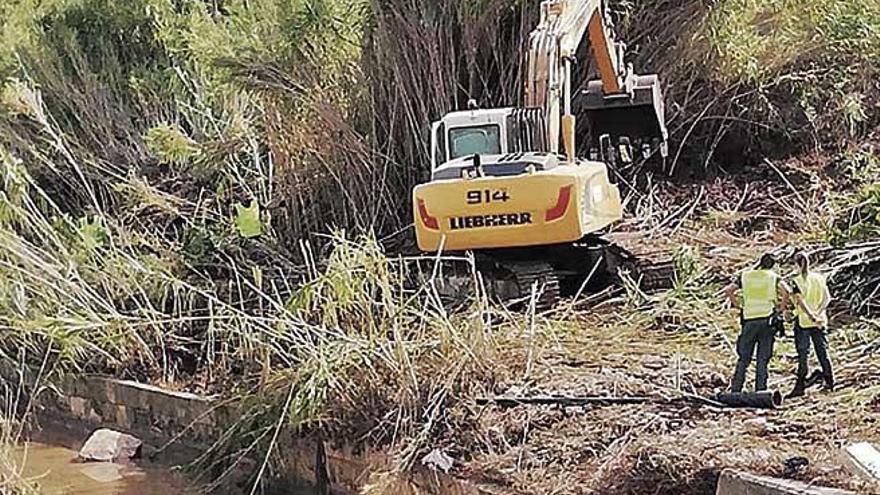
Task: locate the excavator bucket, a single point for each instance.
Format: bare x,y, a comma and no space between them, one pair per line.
635,116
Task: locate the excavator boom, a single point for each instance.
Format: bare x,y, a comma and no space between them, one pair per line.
620,106
553,45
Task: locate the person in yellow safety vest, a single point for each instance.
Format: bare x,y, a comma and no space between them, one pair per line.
247,219
811,298
763,294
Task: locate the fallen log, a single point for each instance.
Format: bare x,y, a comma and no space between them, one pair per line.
557,400
758,400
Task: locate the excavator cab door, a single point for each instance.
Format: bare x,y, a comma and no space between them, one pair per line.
633,118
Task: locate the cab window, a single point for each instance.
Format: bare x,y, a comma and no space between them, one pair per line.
483,140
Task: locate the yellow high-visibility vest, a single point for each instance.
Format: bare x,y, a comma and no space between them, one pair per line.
813,289
247,219
759,293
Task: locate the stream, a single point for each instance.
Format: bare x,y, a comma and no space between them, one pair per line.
50,461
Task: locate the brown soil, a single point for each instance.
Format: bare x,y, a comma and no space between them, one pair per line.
674,344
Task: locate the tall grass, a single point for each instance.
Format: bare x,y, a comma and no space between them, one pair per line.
12,481
122,162
15,410
366,362
267,94
339,344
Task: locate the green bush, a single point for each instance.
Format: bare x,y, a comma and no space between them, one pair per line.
757,41
858,218
826,51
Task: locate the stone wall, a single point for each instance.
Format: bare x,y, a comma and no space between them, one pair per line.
156,415
188,424
739,483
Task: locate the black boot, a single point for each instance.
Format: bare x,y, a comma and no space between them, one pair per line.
799,389
815,378
829,385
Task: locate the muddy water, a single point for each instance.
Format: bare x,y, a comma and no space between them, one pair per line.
56,471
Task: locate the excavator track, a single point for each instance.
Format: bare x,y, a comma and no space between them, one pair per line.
511,277
535,276
655,275
509,282
651,267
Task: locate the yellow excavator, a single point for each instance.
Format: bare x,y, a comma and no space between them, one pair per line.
534,215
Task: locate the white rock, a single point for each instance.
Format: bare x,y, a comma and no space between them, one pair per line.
436,459
106,445
864,459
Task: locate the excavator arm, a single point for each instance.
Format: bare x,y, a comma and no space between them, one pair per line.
554,42
553,47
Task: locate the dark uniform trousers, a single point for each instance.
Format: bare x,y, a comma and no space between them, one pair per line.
761,334
802,339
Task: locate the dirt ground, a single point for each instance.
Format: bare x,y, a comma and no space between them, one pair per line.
669,448
668,345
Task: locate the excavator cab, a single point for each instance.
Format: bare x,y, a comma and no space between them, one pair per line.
494,131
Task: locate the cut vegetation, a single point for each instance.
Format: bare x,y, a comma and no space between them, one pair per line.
130,131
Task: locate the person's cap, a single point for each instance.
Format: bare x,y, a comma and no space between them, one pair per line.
768,260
